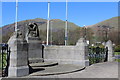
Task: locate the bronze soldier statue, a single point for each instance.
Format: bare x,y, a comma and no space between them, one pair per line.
33,30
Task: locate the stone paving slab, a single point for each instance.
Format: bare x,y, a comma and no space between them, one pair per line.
58,69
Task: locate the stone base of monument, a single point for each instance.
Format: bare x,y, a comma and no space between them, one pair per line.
18,71
35,54
18,57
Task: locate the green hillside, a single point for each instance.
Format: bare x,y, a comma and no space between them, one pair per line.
95,32
112,22
110,27
58,30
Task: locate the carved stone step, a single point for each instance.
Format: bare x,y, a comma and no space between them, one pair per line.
43,64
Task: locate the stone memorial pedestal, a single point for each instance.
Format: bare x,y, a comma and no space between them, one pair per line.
35,50
18,57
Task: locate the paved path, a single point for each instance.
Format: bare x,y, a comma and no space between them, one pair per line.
100,70
57,69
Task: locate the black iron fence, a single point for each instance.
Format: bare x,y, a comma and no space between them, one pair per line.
4,56
97,55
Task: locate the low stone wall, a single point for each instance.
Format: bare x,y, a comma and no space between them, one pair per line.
67,54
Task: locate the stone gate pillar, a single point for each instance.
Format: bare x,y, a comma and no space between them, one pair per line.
18,57
109,45
82,49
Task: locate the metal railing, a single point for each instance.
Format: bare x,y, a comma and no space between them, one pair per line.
5,57
97,55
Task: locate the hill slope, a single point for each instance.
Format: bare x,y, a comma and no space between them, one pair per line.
94,33
58,27
110,23
109,27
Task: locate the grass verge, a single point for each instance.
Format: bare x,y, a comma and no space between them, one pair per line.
117,53
117,60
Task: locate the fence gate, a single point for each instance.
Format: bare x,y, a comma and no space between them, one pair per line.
97,55
5,56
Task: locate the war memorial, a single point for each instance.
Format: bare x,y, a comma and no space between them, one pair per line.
28,57
25,57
